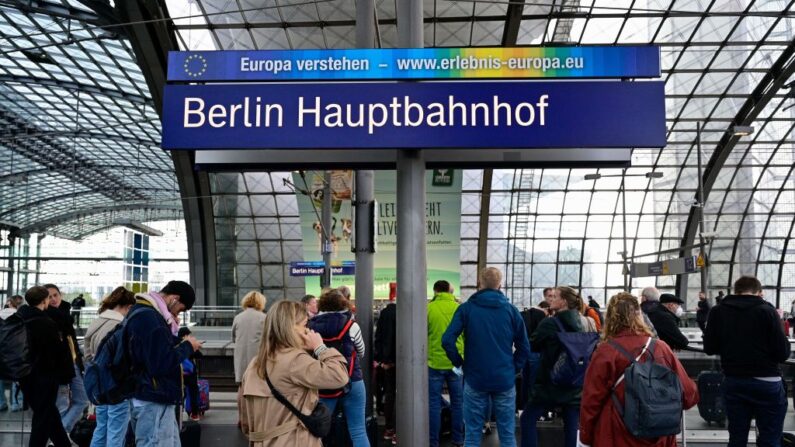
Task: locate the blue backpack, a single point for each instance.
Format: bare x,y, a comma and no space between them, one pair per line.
110,377
577,348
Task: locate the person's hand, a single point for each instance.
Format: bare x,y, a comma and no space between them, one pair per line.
387,365
194,342
312,340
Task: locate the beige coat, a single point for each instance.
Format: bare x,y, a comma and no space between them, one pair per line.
246,333
97,331
298,376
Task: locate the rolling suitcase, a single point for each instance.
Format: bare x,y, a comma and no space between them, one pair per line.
190,435
711,405
83,431
339,436
204,398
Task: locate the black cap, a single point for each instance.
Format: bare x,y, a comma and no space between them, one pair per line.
187,295
670,298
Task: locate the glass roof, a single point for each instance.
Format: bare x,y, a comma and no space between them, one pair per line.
78,134
551,226
721,59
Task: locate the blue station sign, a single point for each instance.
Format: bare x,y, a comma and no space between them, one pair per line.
482,114
581,62
315,268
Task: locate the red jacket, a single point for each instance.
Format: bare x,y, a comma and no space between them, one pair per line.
600,423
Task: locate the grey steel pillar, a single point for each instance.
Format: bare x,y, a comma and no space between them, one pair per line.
325,280
12,240
412,303
700,210
625,253
364,201
38,258
365,272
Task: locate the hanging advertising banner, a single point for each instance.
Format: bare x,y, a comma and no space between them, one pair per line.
415,63
484,114
443,227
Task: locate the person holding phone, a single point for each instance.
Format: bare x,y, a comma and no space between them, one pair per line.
298,364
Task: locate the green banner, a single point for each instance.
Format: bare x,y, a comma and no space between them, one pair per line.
443,228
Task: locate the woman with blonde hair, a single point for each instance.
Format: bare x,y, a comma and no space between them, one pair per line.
247,335
292,363
600,421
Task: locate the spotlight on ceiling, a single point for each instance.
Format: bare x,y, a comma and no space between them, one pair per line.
742,131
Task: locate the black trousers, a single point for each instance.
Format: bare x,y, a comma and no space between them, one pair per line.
390,394
40,395
192,384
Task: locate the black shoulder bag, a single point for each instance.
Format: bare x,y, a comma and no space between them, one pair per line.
318,423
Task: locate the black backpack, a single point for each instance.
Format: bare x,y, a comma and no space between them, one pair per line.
16,361
652,396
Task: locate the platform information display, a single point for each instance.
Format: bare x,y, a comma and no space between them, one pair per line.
415,63
483,114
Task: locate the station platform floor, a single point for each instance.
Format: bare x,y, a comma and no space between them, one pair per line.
219,428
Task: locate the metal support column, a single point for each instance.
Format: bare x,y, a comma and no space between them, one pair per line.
364,206
483,222
325,216
625,253
700,211
12,240
38,256
412,302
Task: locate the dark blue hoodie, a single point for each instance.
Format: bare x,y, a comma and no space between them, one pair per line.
492,327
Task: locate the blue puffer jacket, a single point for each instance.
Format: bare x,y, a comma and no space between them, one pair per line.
492,328
158,353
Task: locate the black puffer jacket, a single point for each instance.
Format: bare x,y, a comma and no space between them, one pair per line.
49,358
665,323
746,332
62,317
385,343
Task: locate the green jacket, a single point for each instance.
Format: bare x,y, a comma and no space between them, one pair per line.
440,314
545,341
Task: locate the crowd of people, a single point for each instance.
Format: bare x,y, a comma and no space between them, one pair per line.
299,362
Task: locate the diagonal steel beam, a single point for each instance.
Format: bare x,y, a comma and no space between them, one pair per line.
768,87
70,216
57,10
152,38
51,153
68,85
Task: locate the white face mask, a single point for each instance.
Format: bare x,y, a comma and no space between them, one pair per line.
679,312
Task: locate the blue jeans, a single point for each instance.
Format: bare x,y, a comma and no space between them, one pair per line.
112,423
353,405
154,425
436,380
531,413
15,402
476,404
749,398
72,400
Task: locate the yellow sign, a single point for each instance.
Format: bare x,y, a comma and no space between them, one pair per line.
700,260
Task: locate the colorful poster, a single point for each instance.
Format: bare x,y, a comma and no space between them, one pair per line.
443,227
